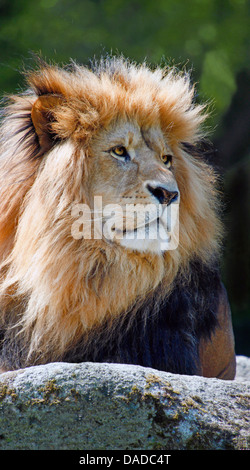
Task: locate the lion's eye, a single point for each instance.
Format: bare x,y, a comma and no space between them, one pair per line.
120,152
167,160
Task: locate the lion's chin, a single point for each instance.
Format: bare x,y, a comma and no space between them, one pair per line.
157,240
149,246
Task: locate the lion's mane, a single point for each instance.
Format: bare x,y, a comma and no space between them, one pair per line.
58,293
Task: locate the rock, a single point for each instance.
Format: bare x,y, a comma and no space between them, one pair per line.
114,406
243,369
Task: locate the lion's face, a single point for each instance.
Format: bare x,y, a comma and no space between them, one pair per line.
131,177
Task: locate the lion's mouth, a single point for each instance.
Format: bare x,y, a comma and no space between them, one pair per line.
156,223
146,226
155,231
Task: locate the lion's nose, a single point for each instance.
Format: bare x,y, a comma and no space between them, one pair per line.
162,194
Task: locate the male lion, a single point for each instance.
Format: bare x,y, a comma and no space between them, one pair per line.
80,146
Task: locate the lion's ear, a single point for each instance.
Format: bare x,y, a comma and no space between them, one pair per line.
43,116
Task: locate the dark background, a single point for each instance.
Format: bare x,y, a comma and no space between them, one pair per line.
210,37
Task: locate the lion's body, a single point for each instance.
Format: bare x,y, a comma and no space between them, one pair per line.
72,299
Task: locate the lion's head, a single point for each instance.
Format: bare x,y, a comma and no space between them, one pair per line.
116,134
130,179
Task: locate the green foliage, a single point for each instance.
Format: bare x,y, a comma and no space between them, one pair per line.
209,36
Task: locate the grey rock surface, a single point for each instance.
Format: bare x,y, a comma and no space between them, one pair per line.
122,407
243,369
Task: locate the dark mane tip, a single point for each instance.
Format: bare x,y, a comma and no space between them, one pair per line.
204,149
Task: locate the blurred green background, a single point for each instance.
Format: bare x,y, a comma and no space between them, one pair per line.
210,37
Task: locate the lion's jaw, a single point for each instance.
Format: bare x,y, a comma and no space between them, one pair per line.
131,212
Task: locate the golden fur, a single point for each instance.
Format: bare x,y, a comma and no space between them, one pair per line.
59,287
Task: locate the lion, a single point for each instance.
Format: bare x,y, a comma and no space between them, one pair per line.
82,144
